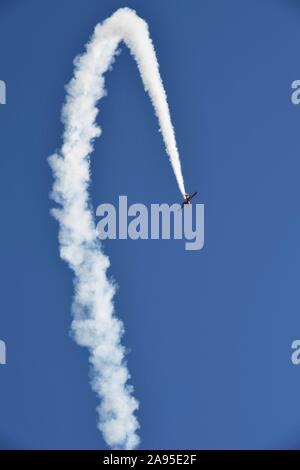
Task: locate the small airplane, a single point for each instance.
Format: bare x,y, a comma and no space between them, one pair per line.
187,199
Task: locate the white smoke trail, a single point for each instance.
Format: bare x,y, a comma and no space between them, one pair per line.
94,324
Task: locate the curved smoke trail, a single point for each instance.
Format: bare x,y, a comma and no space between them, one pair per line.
94,324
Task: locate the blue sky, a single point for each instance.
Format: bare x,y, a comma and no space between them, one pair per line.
208,332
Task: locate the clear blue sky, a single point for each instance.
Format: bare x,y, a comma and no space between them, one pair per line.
209,332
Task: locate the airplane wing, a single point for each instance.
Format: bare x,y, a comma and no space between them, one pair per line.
191,197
